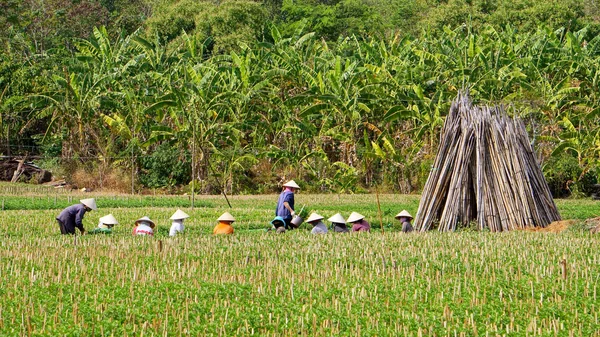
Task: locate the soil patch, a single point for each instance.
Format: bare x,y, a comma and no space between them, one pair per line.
554,227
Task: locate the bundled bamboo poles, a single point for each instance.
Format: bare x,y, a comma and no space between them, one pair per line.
485,170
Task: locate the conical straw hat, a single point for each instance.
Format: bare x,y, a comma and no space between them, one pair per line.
314,217
91,203
405,214
179,214
226,217
338,218
145,219
291,184
109,220
355,217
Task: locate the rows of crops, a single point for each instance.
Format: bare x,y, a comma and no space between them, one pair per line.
257,282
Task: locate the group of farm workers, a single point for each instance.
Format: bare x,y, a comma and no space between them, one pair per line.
286,218
71,218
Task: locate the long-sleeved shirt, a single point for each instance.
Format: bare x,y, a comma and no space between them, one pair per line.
361,226
340,228
407,227
281,210
72,217
176,227
223,228
319,228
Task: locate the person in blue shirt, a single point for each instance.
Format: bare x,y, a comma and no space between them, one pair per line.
285,204
72,216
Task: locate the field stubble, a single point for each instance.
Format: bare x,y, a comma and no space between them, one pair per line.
257,282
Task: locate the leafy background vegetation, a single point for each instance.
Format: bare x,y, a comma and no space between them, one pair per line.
239,95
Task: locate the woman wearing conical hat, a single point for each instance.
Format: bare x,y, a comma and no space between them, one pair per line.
285,203
359,224
318,225
224,226
72,216
339,223
405,218
105,225
144,226
177,225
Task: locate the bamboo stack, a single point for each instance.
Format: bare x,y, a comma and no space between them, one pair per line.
485,171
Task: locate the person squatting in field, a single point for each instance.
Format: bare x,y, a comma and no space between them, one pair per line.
285,203
318,225
72,216
359,224
224,226
339,223
177,226
144,226
405,218
105,225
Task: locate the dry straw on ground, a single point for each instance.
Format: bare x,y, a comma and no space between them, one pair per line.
486,171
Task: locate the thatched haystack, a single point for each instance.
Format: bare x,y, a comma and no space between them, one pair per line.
485,171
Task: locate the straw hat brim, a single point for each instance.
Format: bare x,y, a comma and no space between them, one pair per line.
226,217
404,214
90,203
179,214
338,218
109,220
145,219
291,184
355,217
314,217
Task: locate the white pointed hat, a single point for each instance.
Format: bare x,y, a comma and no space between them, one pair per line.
314,217
355,217
338,218
291,184
145,219
226,217
91,203
404,213
109,220
179,214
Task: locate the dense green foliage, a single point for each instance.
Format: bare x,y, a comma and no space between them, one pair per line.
333,93
255,282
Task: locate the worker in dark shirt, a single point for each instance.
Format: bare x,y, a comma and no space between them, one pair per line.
285,204
405,218
72,216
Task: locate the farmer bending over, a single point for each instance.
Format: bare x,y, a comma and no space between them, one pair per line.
144,226
285,204
72,216
105,225
405,219
224,226
339,223
359,224
177,225
318,225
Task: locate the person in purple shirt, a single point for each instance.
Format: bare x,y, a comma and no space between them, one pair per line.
285,204
72,216
359,224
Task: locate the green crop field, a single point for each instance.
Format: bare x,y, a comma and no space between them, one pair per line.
260,283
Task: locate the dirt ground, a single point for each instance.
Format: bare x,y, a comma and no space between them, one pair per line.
554,227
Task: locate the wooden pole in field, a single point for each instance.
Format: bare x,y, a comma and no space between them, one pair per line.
193,162
379,209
